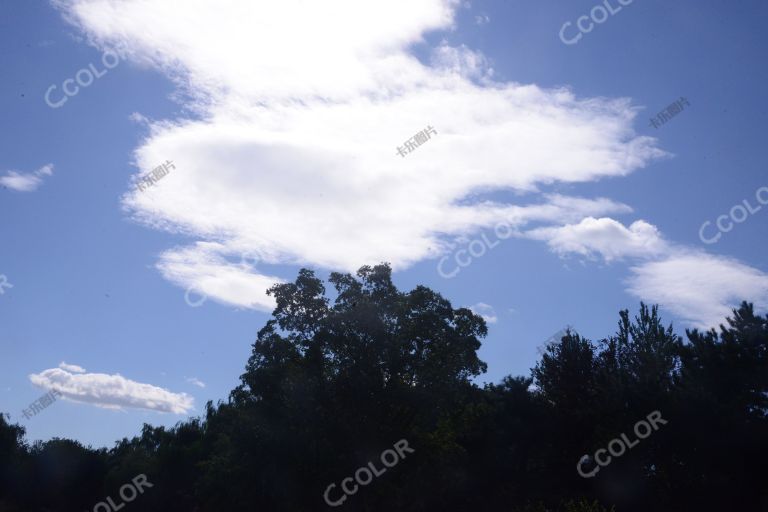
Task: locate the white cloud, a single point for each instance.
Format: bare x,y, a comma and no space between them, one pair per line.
700,288
26,182
461,61
293,153
604,236
72,368
486,311
46,170
139,119
197,382
112,391
482,19
204,269
333,49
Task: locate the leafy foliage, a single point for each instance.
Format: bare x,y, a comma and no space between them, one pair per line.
334,381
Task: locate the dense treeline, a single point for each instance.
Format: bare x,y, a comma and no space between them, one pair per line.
332,384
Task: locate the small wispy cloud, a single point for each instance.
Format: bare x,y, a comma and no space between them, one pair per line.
482,19
139,118
26,182
72,368
461,61
197,382
110,391
486,311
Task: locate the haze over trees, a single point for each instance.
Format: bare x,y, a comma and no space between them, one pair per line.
337,376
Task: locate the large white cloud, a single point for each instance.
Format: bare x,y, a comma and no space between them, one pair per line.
292,156
247,49
301,107
110,391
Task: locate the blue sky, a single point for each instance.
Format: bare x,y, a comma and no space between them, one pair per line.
282,123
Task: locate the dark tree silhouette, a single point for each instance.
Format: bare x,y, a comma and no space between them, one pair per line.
335,379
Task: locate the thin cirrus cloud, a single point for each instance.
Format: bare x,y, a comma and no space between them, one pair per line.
110,391
700,288
195,381
292,152
26,181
